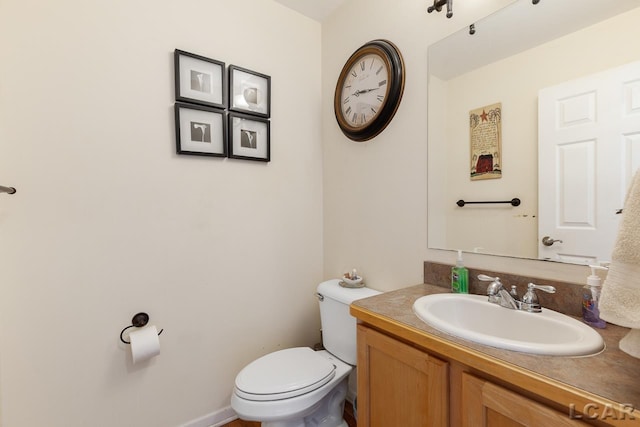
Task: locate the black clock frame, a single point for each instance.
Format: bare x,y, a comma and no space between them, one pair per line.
395,65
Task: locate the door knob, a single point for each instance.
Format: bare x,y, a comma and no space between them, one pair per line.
548,241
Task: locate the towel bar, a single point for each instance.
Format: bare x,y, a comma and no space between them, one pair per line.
512,202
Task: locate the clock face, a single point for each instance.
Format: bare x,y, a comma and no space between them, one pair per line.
364,91
369,90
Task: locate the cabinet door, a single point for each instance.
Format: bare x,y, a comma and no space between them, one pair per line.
485,404
399,385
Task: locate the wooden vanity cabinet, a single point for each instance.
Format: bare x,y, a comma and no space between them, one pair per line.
411,375
395,382
400,384
485,404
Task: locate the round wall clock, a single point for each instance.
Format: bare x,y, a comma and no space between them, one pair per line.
369,90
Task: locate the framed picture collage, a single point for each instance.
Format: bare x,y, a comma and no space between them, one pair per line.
220,111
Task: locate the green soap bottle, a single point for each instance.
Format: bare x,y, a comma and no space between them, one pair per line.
459,277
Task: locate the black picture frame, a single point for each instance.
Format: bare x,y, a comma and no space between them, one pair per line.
249,137
200,80
200,130
249,92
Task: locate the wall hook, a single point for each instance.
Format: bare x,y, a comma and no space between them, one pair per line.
8,190
138,321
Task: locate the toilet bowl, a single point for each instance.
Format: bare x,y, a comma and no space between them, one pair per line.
300,387
296,398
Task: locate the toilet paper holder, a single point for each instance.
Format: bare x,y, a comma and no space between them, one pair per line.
138,321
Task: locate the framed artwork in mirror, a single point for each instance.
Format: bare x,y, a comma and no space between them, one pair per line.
249,137
200,80
200,130
485,134
249,92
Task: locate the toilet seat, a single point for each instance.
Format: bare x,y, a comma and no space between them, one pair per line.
284,374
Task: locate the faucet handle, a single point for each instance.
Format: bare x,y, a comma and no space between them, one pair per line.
546,288
530,299
494,287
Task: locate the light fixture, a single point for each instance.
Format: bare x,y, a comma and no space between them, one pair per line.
437,6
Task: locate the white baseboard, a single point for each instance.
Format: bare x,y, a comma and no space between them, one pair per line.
214,419
226,415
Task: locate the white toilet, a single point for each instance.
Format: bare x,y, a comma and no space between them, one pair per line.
300,387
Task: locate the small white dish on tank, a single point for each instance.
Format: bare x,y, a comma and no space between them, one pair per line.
356,282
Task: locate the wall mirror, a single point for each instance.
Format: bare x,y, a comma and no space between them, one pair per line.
519,63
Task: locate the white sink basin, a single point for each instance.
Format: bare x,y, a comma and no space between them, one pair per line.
473,318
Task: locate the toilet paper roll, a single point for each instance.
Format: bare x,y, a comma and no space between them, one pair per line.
145,343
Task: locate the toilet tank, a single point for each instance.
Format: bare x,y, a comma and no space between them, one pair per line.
338,326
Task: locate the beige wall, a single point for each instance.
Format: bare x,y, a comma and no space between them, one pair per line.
108,220
375,193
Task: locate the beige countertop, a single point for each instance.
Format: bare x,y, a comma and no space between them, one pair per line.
611,374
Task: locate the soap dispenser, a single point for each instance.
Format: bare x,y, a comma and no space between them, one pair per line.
591,298
460,277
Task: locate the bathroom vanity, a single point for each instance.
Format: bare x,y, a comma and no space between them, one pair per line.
411,374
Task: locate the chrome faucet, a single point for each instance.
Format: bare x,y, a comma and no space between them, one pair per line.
499,295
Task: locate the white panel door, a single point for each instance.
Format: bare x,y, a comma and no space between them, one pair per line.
589,149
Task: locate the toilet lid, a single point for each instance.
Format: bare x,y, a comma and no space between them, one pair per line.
284,374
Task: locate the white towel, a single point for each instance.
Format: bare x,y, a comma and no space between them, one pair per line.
620,297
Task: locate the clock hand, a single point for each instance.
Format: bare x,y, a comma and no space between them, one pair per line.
359,92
